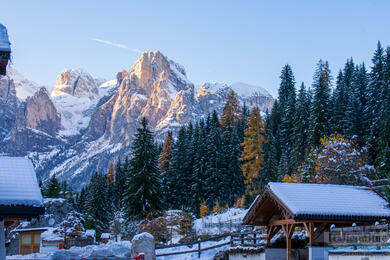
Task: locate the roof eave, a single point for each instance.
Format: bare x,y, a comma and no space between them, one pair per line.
21,211
340,218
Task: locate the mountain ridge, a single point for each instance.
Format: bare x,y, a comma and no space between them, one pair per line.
85,122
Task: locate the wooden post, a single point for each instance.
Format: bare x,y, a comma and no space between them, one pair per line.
242,239
288,230
269,229
231,240
254,239
2,240
288,248
199,249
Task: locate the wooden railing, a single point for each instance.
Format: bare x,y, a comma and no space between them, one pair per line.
358,238
247,239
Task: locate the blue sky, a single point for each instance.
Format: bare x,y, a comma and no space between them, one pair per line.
224,41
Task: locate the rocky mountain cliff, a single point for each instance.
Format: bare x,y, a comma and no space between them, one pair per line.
85,123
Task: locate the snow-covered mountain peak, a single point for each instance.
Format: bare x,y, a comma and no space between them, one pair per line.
23,86
77,83
246,90
87,122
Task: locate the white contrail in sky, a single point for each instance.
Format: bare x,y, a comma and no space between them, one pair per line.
118,45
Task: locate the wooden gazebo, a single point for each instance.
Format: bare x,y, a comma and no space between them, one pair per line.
5,49
20,196
315,207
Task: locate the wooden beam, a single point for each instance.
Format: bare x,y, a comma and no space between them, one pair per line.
282,222
309,226
319,230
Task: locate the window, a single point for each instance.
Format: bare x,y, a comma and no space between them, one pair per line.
26,239
37,239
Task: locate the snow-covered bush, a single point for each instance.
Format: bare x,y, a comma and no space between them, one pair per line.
337,161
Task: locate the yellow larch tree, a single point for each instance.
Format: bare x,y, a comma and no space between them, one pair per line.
166,154
110,174
252,155
203,209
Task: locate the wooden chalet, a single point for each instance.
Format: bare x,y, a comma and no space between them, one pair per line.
314,207
20,196
5,49
29,240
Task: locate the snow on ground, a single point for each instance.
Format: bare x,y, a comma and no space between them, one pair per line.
208,254
111,249
219,223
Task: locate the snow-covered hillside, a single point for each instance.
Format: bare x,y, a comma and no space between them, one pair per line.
23,86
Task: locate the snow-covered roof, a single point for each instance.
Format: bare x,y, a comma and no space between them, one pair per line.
306,201
18,183
105,236
4,42
30,229
90,232
329,199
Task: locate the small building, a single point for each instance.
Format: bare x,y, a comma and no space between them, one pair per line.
91,234
105,237
314,207
5,49
51,240
20,196
29,240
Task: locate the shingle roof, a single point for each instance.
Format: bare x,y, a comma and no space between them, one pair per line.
328,199
18,183
4,41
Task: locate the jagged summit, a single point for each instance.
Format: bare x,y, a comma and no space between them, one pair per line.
87,122
76,82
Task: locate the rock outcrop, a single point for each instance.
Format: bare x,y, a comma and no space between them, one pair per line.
78,83
38,112
8,106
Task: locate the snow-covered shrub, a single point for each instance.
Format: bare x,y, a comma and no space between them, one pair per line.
337,161
157,227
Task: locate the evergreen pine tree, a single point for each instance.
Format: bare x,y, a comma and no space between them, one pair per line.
383,159
121,173
214,170
340,101
53,188
301,127
143,187
231,111
198,188
375,90
271,147
320,111
96,204
361,116
287,99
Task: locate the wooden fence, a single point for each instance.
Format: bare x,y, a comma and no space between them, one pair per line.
247,239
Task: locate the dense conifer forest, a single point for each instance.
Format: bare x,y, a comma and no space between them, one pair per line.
335,131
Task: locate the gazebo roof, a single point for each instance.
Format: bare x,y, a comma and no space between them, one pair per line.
20,196
4,41
304,201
